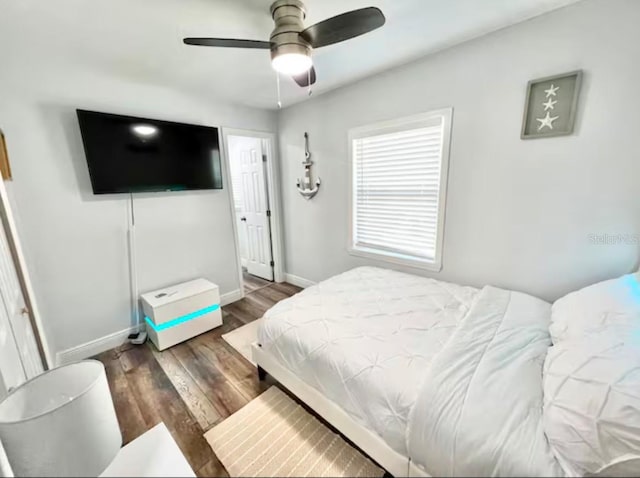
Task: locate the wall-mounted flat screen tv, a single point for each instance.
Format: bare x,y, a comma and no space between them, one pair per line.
127,154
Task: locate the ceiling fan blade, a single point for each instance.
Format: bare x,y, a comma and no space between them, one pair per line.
303,78
228,43
343,27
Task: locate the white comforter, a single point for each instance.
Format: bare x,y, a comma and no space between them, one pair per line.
479,411
365,339
447,375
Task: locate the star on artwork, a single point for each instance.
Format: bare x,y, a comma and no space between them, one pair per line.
552,91
547,121
549,105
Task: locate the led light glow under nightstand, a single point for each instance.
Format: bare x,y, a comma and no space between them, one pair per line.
182,319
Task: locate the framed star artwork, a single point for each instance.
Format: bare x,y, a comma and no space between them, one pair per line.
550,108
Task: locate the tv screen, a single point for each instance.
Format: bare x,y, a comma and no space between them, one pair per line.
127,154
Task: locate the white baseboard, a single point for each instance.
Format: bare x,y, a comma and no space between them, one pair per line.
298,281
94,347
230,297
97,346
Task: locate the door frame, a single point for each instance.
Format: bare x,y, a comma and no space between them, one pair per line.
273,191
7,220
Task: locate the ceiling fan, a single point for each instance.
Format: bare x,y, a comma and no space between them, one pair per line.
291,43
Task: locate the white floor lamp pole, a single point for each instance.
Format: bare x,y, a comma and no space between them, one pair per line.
140,335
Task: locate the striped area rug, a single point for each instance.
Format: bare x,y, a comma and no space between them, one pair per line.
274,436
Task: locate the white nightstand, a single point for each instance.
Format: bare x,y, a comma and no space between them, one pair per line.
177,313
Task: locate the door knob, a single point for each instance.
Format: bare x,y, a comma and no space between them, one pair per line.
244,219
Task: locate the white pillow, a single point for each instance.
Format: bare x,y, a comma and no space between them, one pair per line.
591,379
612,306
591,409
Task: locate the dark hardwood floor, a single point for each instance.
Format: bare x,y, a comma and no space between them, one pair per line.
191,386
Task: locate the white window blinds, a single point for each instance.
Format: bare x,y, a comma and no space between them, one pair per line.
397,187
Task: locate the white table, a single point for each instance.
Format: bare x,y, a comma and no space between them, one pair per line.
153,454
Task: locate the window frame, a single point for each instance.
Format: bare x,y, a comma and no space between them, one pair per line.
396,125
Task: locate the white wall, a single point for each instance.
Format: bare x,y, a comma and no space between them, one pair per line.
519,212
75,242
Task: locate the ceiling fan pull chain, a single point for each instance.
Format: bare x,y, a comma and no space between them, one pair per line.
278,87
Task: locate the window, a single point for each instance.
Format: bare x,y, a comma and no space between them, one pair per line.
399,180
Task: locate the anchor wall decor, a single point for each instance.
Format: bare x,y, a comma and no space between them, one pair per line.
304,184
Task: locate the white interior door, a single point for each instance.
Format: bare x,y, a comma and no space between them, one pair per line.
14,321
238,205
255,215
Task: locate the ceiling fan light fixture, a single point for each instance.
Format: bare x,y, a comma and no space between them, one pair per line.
292,63
291,42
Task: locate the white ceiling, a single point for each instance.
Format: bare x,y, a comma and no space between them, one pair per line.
141,40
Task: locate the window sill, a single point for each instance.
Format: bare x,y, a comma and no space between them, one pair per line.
376,254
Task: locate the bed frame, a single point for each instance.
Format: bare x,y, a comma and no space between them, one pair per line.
369,442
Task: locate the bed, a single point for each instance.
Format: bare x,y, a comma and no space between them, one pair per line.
335,337
427,377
